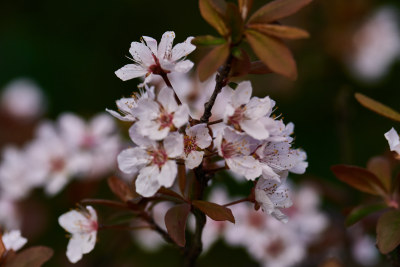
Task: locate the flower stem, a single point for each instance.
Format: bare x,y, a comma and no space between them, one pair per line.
237,202
123,227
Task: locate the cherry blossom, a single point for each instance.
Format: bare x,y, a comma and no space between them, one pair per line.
196,138
13,240
150,58
83,226
126,105
237,150
273,196
153,160
157,118
393,139
249,114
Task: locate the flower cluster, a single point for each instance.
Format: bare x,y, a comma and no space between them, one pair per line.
59,152
269,242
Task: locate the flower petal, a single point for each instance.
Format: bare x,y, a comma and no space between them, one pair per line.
132,159
147,181
165,46
168,173
194,159
242,94
247,166
131,71
181,116
393,139
254,128
202,134
141,54
173,145
183,49
167,99
184,66
151,43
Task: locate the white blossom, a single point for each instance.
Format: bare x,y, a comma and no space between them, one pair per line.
13,240
153,160
250,115
126,105
393,139
22,99
150,58
273,196
196,138
238,150
83,226
157,118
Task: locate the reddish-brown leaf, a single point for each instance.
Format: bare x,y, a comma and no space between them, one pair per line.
240,64
169,192
273,52
258,67
30,257
213,11
212,61
214,211
175,221
235,22
280,31
377,107
360,212
388,231
244,7
380,166
276,10
359,178
121,189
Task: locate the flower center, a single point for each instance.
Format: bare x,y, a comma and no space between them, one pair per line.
159,157
228,149
57,164
237,117
275,248
156,68
88,141
189,144
165,120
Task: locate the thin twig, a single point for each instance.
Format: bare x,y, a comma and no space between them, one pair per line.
237,202
104,202
168,83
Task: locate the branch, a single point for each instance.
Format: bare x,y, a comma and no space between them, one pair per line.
221,80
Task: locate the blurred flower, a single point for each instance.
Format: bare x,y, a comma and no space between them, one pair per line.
23,99
154,161
157,118
197,137
393,139
364,250
13,240
9,216
152,59
83,226
376,45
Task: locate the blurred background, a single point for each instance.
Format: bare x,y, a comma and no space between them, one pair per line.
68,52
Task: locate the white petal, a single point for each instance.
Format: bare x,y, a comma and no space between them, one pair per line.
167,99
258,107
165,46
147,181
393,138
168,173
132,159
72,127
268,173
194,159
141,54
183,49
130,71
173,145
74,248
13,240
184,66
247,166
181,116
56,183
254,128
242,94
202,134
138,138
151,43
119,116
147,109
69,220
